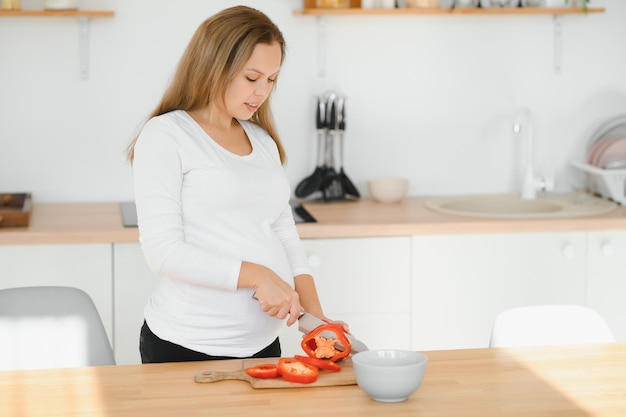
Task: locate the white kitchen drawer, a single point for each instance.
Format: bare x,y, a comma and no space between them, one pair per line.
606,278
362,275
461,282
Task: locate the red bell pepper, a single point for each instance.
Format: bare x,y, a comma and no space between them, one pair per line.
317,346
263,371
326,364
295,371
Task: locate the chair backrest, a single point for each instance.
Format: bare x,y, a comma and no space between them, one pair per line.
549,325
51,327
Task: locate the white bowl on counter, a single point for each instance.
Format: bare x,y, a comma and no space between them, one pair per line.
389,375
388,189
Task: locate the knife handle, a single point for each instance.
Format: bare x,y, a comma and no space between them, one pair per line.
299,316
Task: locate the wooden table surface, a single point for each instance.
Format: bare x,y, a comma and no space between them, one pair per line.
572,381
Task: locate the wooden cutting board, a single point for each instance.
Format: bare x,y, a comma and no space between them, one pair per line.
325,378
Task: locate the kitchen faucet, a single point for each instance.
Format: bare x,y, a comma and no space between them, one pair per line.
531,183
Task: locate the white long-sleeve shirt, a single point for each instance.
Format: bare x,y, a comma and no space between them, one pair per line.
202,210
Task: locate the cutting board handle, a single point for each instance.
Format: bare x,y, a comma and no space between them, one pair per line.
215,376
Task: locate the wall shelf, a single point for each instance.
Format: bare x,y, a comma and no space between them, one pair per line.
83,17
557,13
56,13
451,12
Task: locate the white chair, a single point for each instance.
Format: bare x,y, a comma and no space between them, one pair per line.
549,325
51,327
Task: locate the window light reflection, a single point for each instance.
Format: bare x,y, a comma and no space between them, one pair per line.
43,342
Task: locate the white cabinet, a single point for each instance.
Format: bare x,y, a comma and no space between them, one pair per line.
84,266
365,282
133,285
606,278
461,282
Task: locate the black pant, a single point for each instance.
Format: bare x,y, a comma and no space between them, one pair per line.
153,349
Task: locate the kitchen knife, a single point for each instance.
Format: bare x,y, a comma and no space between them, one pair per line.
308,322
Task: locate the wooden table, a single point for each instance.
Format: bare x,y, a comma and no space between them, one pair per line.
573,381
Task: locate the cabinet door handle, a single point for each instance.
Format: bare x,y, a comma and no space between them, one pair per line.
569,251
315,261
607,249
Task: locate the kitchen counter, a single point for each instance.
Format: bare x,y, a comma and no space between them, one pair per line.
53,223
56,223
411,217
557,381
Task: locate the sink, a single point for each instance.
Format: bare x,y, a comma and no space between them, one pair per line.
512,206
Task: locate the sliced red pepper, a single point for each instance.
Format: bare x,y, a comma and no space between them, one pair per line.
326,364
264,371
295,371
316,346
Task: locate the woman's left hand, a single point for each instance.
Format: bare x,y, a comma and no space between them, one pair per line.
341,323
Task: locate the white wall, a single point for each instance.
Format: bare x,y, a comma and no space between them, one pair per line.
429,97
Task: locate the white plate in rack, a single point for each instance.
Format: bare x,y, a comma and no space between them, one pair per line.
613,154
598,148
615,126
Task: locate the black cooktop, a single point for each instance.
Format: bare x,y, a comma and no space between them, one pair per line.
129,213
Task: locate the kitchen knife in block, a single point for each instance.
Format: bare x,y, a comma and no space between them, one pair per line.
325,379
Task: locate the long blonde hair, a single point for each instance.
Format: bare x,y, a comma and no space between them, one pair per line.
219,48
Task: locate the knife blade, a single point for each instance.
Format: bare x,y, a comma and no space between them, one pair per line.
308,322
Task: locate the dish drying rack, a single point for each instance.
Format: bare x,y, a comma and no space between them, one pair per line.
607,183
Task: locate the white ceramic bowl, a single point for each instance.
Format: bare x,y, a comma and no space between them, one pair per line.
389,375
388,190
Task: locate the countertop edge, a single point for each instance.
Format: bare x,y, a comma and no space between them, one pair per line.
76,223
458,228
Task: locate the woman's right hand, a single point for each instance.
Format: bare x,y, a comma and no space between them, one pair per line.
275,296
